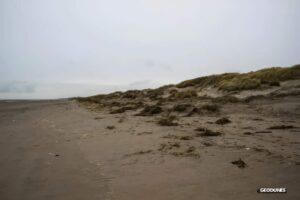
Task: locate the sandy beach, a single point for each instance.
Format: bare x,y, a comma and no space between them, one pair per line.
61,150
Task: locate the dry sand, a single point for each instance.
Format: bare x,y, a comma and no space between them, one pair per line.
60,150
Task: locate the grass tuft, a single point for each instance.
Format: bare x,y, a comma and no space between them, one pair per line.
211,107
150,110
168,121
185,94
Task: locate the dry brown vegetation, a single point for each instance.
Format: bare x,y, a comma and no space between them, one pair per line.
120,102
171,105
150,110
223,120
247,81
181,107
211,107
168,121
239,163
204,132
184,94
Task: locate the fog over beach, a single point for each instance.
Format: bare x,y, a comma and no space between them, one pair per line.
53,49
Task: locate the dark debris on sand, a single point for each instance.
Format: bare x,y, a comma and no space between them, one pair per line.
168,121
239,163
263,131
223,121
204,132
211,107
181,107
110,127
186,137
168,146
142,152
281,127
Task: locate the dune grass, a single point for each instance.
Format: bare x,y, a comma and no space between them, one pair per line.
184,94
245,81
226,82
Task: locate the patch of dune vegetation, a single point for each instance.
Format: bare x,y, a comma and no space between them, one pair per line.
246,81
184,94
168,121
206,81
239,83
120,102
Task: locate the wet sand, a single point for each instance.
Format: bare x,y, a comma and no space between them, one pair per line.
60,150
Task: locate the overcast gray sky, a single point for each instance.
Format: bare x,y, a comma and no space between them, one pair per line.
62,48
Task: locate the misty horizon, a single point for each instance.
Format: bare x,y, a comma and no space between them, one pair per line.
59,49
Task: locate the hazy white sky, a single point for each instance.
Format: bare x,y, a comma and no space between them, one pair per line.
61,48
